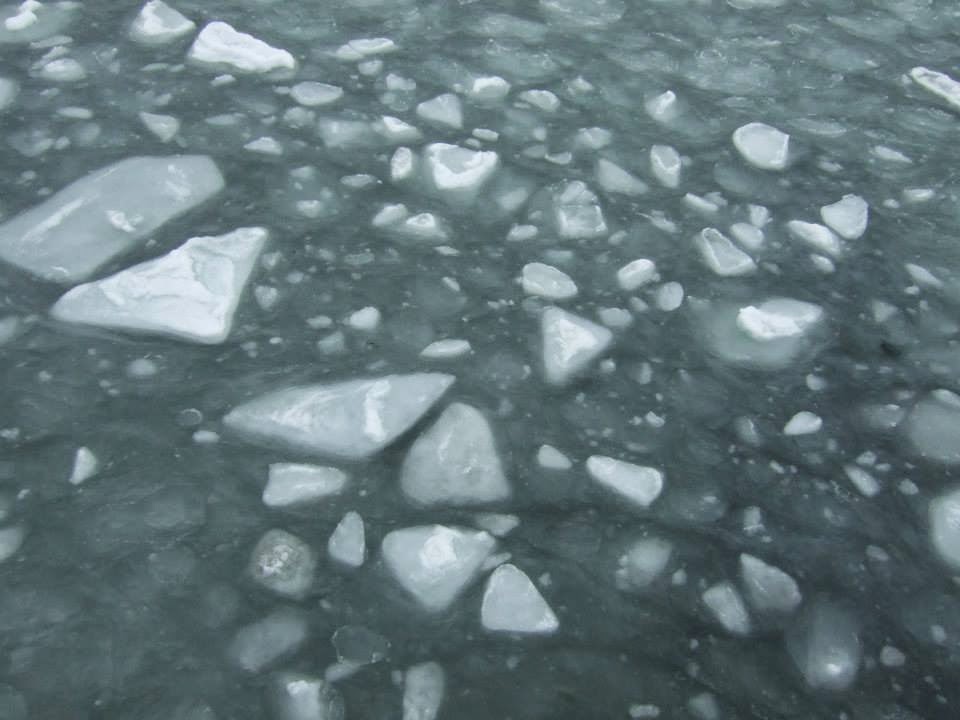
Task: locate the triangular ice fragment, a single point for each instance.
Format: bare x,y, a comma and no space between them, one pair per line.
512,603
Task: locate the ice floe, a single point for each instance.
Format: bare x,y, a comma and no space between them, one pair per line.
512,603
570,344
219,46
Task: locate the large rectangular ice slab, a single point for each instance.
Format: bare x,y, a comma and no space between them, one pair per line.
75,232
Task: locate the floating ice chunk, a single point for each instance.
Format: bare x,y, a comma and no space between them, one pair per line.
747,235
728,608
268,640
636,274
218,45
497,524
570,344
24,16
703,706
512,603
63,70
455,462
424,687
583,13
395,130
762,146
11,539
614,179
488,89
933,427
541,99
552,459
9,89
921,276
283,563
165,127
669,296
361,48
817,236
862,480
290,484
296,696
944,518
891,657
265,145
847,217
85,466
547,281
159,24
639,484
348,543
721,255
353,419
365,319
642,563
666,165
75,232
358,645
435,563
769,589
803,423
825,646
938,83
30,20
457,172
444,110
663,108
190,293
778,319
577,212
448,349
315,94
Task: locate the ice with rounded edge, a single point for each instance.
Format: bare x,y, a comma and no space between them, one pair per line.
219,45
547,281
158,24
938,83
727,606
457,173
762,146
347,544
512,603
639,484
825,646
721,255
666,165
291,484
570,344
944,519
933,427
769,588
424,687
847,217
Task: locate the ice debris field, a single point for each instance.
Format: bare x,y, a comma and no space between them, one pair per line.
418,359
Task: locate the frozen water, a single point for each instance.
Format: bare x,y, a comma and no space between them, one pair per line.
643,562
358,645
291,484
762,146
636,274
577,213
639,484
666,165
803,423
944,517
570,344
455,462
158,23
315,94
347,544
552,459
353,419
296,696
548,282
825,645
191,293
933,427
105,214
614,179
165,127
818,237
512,603
768,588
219,46
728,608
721,255
435,563
444,110
424,687
847,217
938,83
265,642
456,173
85,466
283,563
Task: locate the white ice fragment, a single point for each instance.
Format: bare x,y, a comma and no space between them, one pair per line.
265,145
361,48
643,562
458,173
803,423
296,696
191,293
262,643
24,16
435,563
865,483
636,274
759,215
570,344
769,588
444,110
9,89
365,319
353,419
777,319
847,217
892,657
220,45
548,282
158,24
944,519
938,83
164,127
447,349
85,466
577,212
728,608
290,484
933,427
663,108
512,603
669,296
817,236
63,70
283,563
825,646
666,165
11,539
455,462
71,235
762,146
614,179
497,524
424,687
639,484
550,458
347,543
488,89
749,236
921,276
721,255
315,94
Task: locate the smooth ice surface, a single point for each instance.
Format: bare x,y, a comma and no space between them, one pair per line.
269,640
191,293
642,563
803,423
763,146
297,696
552,459
353,419
938,83
105,214
727,607
444,110
847,217
435,563
933,427
666,165
85,466
424,687
347,544
639,484
570,344
721,255
290,484
455,462
219,46
548,282
825,646
283,563
768,588
458,173
158,23
512,603
944,519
